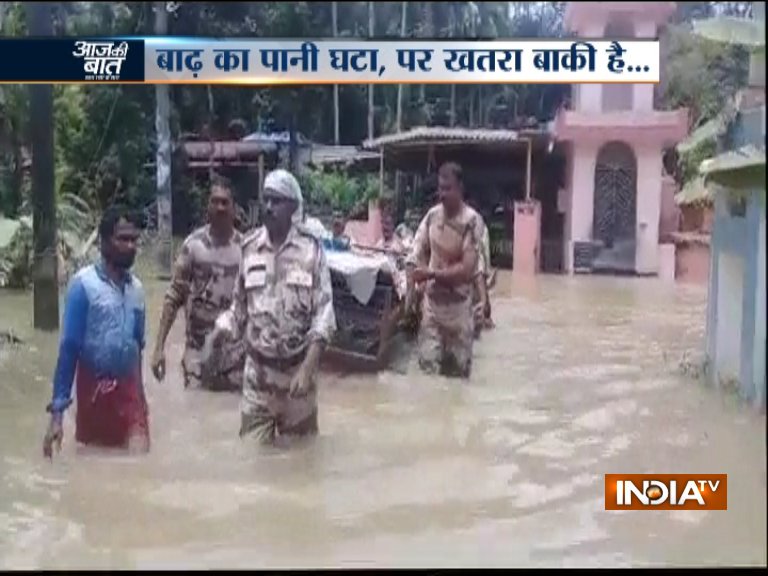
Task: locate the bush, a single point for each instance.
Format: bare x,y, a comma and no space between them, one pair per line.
338,191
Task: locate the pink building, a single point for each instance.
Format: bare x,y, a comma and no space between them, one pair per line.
614,140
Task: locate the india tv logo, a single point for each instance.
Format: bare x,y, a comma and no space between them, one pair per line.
101,60
666,491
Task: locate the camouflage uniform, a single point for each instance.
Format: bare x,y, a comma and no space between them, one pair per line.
203,282
484,265
447,327
281,304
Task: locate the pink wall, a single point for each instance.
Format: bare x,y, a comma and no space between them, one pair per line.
581,193
649,172
692,263
526,244
670,213
366,232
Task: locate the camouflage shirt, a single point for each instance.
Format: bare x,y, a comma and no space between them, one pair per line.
283,298
203,282
441,242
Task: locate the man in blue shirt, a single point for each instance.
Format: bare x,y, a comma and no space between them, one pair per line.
101,346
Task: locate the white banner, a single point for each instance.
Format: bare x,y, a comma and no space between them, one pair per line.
276,62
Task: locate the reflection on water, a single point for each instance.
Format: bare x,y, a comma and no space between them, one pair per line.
579,379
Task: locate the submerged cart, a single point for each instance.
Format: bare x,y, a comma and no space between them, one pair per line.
368,311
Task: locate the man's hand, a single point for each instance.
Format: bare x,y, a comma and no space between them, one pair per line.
158,364
53,436
420,275
301,381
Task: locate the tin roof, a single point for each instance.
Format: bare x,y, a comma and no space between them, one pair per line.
344,155
227,150
437,134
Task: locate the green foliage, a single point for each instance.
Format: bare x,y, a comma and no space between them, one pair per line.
76,222
338,191
702,75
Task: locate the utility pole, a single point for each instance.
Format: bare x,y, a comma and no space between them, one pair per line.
45,271
163,159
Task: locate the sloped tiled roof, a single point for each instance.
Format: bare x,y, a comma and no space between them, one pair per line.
424,134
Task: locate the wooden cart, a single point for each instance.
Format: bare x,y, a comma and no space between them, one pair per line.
364,334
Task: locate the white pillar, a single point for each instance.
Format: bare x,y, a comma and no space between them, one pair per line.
649,173
582,197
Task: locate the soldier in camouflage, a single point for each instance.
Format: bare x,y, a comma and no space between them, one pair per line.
444,257
203,281
283,308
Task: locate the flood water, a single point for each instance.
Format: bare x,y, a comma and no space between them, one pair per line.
579,379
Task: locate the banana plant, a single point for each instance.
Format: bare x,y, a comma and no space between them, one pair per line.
743,168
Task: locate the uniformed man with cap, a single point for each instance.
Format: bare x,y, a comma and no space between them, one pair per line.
282,308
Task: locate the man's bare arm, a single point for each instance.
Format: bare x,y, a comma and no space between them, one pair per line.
460,273
175,296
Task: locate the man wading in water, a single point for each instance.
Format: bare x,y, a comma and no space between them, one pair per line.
445,257
102,339
203,282
283,308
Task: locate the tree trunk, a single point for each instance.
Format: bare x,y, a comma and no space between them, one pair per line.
211,138
292,143
17,178
453,86
335,19
453,105
471,107
429,33
757,59
400,86
163,129
2,15
45,272
480,119
371,27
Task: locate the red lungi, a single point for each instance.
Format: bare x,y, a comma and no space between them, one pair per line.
110,412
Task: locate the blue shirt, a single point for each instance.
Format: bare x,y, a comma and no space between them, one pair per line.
336,244
103,332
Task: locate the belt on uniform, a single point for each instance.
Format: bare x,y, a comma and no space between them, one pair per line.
280,364
447,298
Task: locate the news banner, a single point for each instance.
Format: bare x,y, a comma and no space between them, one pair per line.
265,62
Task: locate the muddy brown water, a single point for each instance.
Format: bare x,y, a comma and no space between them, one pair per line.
580,378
